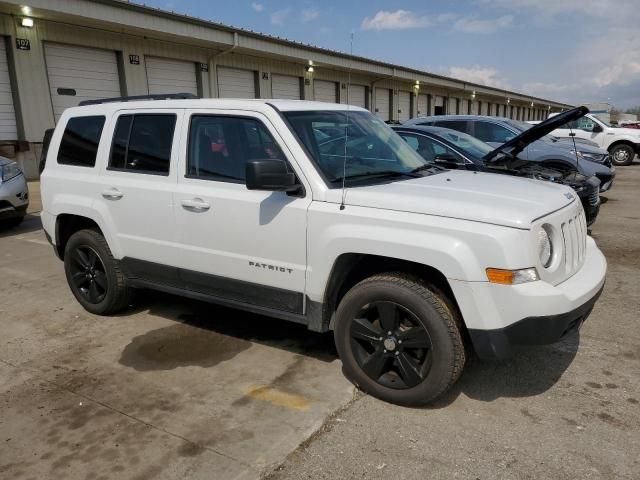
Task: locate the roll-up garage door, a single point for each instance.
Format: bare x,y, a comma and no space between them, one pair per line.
474,108
423,105
324,91
383,103
236,83
80,73
8,129
171,76
451,108
357,96
404,106
438,105
285,86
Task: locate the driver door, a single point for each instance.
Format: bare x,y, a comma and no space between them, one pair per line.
241,245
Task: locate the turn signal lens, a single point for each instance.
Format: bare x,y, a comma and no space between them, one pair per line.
512,277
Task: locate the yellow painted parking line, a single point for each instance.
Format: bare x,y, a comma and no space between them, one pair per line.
278,397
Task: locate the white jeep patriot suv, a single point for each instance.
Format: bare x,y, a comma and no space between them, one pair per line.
319,214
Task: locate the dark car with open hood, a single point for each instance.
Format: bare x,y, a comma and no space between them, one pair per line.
452,149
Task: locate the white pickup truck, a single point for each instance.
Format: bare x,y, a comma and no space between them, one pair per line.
622,143
319,214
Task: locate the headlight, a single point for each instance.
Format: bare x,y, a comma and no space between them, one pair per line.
545,246
8,171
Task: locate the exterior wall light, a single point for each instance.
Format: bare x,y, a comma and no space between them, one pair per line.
27,22
310,69
473,95
508,101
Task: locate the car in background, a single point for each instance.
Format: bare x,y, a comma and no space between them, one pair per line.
14,193
622,143
547,150
630,124
452,149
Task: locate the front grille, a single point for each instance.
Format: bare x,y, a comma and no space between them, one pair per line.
574,234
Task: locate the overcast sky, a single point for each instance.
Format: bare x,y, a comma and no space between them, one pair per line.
568,50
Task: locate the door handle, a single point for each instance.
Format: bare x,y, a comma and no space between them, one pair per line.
195,205
112,194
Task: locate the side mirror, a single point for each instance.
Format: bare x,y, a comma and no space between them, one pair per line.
596,128
447,161
271,175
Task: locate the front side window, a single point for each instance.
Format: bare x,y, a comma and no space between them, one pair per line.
220,147
142,143
428,148
355,145
492,132
79,144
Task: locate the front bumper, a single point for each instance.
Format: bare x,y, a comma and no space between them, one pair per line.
14,198
499,317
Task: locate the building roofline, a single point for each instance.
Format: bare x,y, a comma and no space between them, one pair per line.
285,41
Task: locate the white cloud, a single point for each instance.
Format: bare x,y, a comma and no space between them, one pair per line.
398,20
258,7
310,14
483,75
473,25
280,17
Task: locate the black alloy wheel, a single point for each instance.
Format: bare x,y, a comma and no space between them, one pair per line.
391,345
88,274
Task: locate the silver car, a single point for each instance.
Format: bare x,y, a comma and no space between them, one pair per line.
14,193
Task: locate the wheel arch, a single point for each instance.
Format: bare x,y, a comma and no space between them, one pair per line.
626,142
351,268
67,224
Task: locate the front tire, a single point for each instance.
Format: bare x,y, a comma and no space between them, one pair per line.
398,340
622,155
94,276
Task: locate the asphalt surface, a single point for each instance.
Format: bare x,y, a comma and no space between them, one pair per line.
566,411
179,389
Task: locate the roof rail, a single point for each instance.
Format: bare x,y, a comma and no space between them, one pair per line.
158,96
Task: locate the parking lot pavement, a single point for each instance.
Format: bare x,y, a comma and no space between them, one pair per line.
180,389
567,411
169,389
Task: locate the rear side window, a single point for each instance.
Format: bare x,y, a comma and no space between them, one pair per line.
79,144
142,143
220,147
492,132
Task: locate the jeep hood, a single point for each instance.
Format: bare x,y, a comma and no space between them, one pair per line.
520,142
474,196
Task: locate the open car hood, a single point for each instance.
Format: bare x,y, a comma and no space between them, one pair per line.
536,132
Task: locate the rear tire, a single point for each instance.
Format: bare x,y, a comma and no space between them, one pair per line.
410,360
622,155
94,276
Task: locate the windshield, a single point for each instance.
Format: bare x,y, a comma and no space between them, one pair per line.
372,150
466,143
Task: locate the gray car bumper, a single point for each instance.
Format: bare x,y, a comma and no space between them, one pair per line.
14,197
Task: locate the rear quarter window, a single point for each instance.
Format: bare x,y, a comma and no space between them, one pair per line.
79,144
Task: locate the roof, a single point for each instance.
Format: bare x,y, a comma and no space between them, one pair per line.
214,103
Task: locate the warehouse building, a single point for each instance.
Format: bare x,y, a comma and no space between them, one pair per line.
56,53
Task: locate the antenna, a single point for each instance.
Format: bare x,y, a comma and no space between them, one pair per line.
346,130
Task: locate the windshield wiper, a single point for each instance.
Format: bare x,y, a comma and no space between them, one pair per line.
428,166
380,173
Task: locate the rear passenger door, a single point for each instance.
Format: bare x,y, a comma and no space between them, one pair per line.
236,244
135,194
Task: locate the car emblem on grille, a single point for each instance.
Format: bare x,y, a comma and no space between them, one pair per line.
568,195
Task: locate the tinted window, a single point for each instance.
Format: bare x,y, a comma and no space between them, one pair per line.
459,125
79,145
220,147
492,132
142,143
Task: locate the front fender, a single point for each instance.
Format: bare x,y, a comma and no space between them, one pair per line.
459,249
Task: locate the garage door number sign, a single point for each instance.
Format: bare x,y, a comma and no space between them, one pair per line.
23,44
